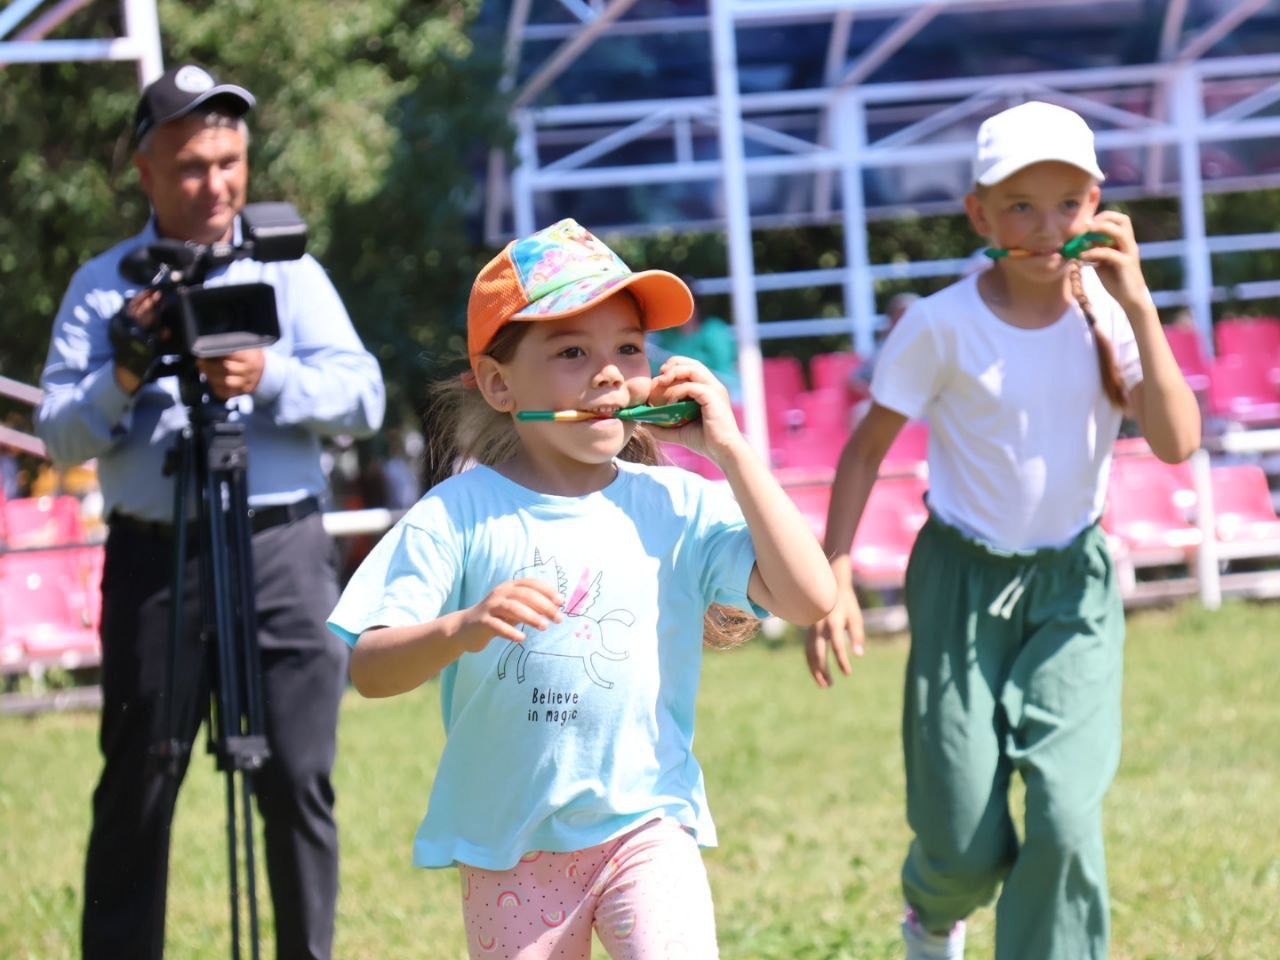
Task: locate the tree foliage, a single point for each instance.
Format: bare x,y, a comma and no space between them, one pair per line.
374,118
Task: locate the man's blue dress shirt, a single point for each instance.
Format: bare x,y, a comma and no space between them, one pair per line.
318,380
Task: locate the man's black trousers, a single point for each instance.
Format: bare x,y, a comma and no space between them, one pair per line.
304,674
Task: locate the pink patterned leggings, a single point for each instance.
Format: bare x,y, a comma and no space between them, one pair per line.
645,894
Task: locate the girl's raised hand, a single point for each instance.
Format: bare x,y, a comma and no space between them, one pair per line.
1119,267
716,431
508,606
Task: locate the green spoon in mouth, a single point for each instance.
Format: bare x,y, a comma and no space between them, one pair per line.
1071,249
667,415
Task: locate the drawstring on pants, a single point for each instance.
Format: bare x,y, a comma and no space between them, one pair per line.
1007,599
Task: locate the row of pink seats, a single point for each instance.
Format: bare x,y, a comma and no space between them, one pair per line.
1231,336
1247,335
1151,509
787,374
810,454
825,401
894,514
1240,384
50,599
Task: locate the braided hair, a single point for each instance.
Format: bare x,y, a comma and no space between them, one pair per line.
1112,384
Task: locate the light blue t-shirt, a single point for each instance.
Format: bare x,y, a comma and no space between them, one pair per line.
585,730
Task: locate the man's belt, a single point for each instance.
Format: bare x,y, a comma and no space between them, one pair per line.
260,518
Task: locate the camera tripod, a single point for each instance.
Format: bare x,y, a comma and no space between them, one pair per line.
210,460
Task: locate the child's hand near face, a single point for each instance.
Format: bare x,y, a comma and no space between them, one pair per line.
1119,267
682,378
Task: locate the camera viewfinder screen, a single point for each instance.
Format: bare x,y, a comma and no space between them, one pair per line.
221,320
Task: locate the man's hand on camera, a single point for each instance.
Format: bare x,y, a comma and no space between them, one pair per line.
144,311
234,375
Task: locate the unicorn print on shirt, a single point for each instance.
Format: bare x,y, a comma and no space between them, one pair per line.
580,636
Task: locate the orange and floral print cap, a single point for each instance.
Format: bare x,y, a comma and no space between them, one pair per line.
561,271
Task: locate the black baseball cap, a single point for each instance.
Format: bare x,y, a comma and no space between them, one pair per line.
181,89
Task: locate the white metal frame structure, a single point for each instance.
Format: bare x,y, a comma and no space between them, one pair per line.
1169,115
140,42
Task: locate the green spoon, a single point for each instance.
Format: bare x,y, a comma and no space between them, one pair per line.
1071,249
669,415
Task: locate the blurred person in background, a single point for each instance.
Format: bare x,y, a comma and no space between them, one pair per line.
1024,372
709,340
897,306
100,401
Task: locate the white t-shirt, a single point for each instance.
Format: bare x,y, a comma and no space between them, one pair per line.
1020,430
584,730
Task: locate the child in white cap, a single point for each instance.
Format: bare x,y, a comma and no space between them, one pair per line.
1024,372
561,589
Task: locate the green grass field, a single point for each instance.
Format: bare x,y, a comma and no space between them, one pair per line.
807,790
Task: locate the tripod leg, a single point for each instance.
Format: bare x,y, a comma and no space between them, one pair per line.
250,867
233,870
231,621
249,664
173,748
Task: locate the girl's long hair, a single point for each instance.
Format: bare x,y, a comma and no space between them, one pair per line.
464,430
1112,382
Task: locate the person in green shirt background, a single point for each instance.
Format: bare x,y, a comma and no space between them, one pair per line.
709,340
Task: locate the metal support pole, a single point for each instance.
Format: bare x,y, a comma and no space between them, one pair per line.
521,177
859,290
738,225
142,26
1188,114
1206,520
570,50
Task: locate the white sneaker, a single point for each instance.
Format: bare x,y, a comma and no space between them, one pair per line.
923,945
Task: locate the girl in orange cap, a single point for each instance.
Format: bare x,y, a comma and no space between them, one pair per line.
559,588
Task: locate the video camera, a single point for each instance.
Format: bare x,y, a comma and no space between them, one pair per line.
213,321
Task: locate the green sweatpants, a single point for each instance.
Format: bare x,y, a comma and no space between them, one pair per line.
1015,664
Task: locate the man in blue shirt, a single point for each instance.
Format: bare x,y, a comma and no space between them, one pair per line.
317,380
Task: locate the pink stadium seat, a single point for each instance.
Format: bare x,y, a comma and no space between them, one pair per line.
826,408
52,597
1184,341
783,376
1148,508
1241,389
95,559
1242,504
12,653
813,499
894,514
38,616
909,450
833,370
783,383
806,455
1256,336
84,595
42,521
1145,469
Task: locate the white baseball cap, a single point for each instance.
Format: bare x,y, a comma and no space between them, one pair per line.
1033,132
